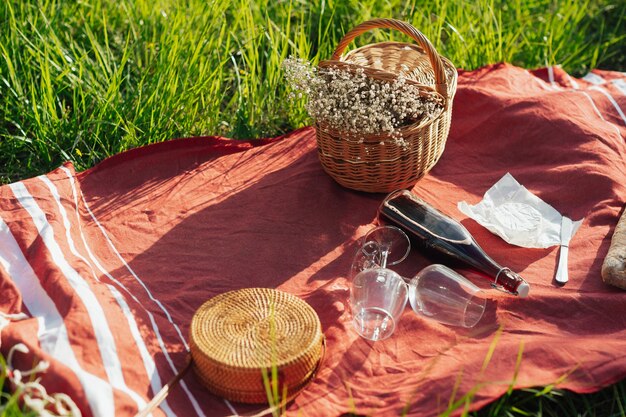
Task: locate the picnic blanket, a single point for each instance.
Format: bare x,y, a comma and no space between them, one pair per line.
110,264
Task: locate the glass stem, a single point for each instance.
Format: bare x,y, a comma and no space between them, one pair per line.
383,258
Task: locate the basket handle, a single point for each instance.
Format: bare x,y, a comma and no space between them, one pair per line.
441,84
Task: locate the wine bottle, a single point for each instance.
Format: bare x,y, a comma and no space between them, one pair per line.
446,236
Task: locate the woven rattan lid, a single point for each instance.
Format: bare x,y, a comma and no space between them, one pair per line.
236,335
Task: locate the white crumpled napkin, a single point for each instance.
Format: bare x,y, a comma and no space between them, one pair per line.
519,217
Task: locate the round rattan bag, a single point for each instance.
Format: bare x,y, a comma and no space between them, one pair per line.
238,337
375,162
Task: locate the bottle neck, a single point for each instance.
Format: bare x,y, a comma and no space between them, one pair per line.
510,282
483,262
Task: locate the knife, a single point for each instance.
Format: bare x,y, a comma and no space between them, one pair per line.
567,230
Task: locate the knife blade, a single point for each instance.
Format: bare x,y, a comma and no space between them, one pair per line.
562,275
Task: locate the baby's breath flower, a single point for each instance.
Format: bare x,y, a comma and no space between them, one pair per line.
349,101
32,393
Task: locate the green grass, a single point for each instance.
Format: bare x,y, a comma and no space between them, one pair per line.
9,402
83,80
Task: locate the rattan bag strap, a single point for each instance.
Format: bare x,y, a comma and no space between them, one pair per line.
164,392
441,85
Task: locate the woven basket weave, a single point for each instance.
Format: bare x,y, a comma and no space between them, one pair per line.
374,163
236,335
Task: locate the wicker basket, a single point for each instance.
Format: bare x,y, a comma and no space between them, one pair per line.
373,163
238,334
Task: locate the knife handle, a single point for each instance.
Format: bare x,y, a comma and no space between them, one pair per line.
561,271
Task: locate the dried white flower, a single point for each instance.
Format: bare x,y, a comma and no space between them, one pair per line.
32,393
351,102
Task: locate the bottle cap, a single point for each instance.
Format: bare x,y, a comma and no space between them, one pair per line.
523,289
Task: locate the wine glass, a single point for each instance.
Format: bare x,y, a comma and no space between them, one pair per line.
378,294
439,293
377,298
384,246
393,243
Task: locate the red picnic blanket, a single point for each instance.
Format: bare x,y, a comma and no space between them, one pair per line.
110,264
